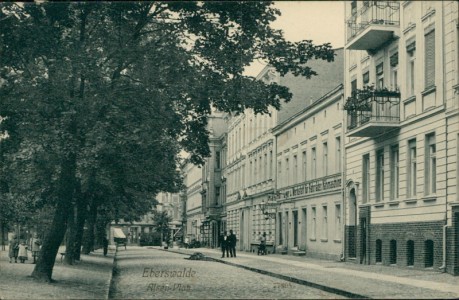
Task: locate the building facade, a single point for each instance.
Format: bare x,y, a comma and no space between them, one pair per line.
171,203
203,196
401,133
251,156
309,178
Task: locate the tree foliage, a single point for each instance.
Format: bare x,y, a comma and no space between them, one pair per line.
99,98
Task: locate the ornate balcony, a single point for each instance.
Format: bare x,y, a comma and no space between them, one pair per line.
373,25
372,112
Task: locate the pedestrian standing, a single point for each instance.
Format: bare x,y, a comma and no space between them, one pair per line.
35,247
224,244
232,243
22,254
13,249
105,242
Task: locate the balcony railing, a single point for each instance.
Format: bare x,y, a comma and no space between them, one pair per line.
371,112
379,17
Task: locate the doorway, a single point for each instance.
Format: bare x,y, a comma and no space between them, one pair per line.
295,228
363,240
352,245
304,230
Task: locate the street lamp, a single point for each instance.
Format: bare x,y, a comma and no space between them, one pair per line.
269,208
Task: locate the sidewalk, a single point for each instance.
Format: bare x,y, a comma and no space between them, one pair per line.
371,281
88,279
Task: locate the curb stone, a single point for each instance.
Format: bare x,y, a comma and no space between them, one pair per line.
283,277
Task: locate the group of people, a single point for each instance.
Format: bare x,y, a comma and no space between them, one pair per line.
228,244
18,249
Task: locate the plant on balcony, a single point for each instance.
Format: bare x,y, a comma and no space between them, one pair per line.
360,100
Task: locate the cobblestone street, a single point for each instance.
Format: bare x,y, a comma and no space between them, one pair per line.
148,273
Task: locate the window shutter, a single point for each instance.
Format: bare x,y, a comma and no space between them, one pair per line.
430,59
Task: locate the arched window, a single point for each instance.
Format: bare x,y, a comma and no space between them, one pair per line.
378,251
428,253
410,253
393,252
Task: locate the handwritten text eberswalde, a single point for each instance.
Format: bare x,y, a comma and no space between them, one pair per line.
186,272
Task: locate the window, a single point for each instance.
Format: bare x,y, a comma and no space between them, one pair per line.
314,163
287,172
337,221
410,253
428,253
255,174
217,195
265,168
338,154
366,78
279,170
270,175
313,227
430,165
380,76
295,169
380,175
393,252
305,172
429,70
366,178
411,69
394,173
217,159
378,254
325,158
412,167
353,85
394,71
324,222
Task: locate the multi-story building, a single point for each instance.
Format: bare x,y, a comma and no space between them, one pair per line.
309,178
171,203
192,180
251,153
401,85
204,188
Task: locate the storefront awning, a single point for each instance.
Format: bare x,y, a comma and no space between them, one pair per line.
118,233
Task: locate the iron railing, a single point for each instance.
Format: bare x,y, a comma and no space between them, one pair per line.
382,106
373,12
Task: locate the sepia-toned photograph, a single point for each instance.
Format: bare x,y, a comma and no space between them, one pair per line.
229,149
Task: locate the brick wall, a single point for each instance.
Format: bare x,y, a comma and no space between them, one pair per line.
418,232
351,250
452,249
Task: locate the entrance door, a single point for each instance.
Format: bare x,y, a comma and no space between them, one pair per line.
363,240
352,224
287,230
295,228
304,229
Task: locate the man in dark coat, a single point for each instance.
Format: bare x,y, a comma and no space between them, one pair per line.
224,244
232,243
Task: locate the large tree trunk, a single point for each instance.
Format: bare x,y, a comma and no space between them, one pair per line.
88,242
81,218
46,258
70,246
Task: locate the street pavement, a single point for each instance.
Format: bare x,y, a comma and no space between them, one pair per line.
147,273
375,281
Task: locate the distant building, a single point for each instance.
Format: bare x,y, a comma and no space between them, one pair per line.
171,203
204,210
251,156
309,178
402,122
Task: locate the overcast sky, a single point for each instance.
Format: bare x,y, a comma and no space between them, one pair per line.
319,21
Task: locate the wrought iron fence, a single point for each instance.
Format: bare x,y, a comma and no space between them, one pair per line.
373,12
